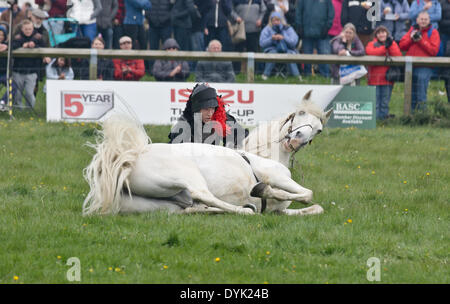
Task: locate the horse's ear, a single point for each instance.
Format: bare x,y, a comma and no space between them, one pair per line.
328,115
307,95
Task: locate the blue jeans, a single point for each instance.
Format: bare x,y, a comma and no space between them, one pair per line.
157,35
293,69
421,78
383,96
89,30
107,35
323,47
117,33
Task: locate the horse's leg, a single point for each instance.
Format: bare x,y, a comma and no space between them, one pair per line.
202,208
136,203
314,209
266,191
278,179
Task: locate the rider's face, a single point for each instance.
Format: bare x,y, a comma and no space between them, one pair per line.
207,114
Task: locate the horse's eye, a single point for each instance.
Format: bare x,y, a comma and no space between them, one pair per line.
301,113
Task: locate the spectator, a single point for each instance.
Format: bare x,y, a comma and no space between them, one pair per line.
444,24
198,28
336,28
128,69
252,13
281,6
314,19
181,13
383,44
105,21
158,18
270,7
277,37
214,71
133,23
54,8
215,19
422,40
105,67
59,69
118,24
444,32
170,70
346,43
18,15
395,17
37,17
355,12
432,7
25,69
3,67
85,12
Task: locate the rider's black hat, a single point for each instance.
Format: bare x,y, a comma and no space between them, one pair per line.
203,97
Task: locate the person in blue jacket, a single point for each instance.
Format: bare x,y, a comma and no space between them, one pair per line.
432,7
133,23
278,37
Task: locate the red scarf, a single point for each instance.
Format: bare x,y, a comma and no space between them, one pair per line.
220,117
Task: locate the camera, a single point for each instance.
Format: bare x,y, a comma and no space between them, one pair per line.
418,34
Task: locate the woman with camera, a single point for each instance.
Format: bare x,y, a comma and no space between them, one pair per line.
421,40
383,44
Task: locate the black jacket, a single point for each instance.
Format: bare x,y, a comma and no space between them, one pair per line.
182,13
27,65
224,8
159,15
176,135
354,13
444,24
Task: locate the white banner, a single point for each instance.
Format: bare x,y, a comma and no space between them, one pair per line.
161,103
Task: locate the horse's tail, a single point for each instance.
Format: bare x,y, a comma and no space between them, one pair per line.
118,145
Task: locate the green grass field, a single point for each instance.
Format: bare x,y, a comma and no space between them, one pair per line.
385,193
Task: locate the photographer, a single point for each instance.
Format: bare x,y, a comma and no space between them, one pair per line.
382,45
421,40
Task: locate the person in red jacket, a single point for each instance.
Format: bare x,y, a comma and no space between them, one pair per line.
421,40
381,45
128,69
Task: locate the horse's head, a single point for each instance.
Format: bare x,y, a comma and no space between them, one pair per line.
302,125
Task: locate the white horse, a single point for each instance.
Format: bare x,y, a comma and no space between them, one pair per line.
129,174
280,139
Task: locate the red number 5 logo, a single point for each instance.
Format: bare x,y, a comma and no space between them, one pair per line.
70,104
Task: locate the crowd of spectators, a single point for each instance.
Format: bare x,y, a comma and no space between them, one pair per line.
339,27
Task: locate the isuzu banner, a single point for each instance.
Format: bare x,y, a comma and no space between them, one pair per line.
161,103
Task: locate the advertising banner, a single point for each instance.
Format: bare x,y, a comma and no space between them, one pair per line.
161,103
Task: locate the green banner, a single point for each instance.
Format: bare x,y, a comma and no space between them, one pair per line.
353,107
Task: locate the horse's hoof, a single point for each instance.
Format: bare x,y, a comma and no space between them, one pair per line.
258,190
250,206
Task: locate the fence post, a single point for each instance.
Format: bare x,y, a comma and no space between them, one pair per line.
250,67
93,65
408,85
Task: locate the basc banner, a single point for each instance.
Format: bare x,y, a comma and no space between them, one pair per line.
161,103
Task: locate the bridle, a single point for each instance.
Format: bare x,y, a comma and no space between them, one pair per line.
290,130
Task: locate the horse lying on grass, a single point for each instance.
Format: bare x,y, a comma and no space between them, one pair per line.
130,174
